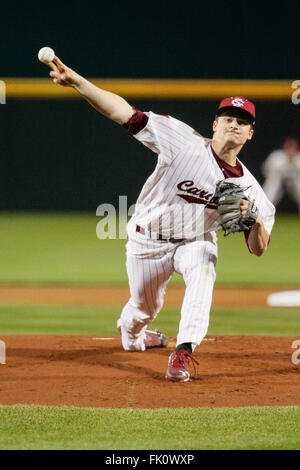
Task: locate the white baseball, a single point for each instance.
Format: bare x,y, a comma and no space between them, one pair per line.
46,54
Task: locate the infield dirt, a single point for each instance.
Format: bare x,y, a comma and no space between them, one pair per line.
95,371
118,295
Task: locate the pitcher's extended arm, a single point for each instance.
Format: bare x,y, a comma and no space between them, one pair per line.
109,104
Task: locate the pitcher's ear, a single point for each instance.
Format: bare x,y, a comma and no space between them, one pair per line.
215,122
251,132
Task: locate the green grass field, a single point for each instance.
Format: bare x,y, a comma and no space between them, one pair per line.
63,248
27,427
86,320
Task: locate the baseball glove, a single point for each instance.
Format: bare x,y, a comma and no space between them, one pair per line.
228,197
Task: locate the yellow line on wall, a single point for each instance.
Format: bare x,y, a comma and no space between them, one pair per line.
154,88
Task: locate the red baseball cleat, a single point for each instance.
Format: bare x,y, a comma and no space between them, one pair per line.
179,363
155,339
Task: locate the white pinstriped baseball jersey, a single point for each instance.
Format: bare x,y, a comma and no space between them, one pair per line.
177,199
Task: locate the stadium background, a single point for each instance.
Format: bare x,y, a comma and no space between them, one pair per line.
59,153
60,159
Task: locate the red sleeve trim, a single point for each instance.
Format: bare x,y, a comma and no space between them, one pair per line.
136,123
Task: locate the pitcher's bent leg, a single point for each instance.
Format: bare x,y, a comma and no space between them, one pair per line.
148,279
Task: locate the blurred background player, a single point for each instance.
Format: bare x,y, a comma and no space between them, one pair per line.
281,170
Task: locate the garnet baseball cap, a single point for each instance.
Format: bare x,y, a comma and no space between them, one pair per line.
238,102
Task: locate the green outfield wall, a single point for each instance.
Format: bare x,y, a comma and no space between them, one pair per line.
61,154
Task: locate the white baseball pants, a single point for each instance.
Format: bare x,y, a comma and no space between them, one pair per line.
150,265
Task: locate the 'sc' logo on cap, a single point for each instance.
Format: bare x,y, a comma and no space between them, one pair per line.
238,102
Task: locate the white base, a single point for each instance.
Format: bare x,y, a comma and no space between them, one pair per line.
284,299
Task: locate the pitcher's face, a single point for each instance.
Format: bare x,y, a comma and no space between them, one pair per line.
231,128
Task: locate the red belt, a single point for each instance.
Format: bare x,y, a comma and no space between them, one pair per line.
159,236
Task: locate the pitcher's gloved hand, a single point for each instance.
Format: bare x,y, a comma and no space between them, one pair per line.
237,213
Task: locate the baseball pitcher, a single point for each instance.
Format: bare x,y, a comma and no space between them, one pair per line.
199,186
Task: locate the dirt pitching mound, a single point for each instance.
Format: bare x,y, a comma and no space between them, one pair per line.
95,372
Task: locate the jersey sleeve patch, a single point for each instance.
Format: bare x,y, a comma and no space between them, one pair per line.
136,123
